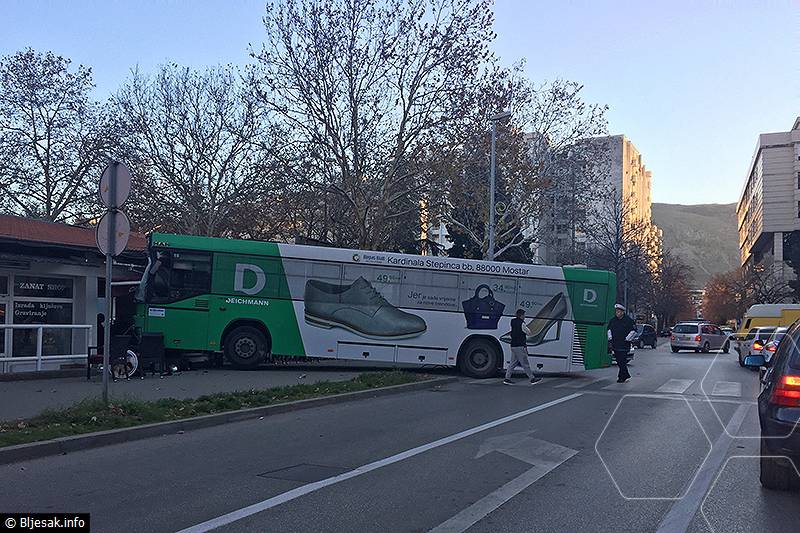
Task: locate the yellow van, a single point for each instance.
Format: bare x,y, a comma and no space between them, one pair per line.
763,315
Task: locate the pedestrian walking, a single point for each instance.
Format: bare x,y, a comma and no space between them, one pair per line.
519,348
620,332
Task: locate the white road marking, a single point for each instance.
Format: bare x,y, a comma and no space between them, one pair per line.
544,456
682,513
269,503
675,386
579,383
727,388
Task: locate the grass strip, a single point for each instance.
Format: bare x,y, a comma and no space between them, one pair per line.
91,415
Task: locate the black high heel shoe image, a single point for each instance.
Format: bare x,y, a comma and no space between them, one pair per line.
551,314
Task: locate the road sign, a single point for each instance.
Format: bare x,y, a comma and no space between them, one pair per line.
122,231
120,173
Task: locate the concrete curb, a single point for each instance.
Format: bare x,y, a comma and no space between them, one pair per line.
44,374
64,445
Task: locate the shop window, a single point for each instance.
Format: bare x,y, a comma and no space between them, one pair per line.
54,341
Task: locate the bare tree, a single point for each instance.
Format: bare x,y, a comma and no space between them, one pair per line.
196,143
53,139
364,87
729,294
534,148
617,241
670,288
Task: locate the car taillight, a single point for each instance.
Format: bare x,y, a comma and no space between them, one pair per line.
771,347
672,338
787,392
697,338
758,346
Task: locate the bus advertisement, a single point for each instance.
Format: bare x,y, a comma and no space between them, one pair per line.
256,300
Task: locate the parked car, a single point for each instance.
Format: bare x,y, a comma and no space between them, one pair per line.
666,332
753,342
773,342
700,337
645,336
727,331
779,413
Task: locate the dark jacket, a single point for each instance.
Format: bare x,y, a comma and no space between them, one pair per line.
620,327
518,335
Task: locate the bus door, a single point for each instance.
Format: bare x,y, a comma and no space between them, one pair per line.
178,303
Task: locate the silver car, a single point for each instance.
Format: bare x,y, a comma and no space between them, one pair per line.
700,337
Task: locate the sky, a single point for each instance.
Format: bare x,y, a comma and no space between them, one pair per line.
691,83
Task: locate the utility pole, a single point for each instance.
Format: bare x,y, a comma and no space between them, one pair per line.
493,119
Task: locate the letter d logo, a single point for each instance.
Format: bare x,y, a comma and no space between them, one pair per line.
238,279
589,296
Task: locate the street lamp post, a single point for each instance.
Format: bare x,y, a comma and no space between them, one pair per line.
493,119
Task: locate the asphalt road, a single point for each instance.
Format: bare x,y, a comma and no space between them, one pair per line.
574,453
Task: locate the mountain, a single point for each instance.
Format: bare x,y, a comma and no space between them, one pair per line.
704,236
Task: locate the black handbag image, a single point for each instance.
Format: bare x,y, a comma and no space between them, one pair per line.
482,313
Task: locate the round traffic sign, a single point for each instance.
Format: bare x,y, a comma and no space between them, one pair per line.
118,175
122,232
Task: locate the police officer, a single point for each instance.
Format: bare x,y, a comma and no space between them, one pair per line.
620,330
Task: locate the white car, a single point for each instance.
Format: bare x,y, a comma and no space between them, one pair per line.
753,342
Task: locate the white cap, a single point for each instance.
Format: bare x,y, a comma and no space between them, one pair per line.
619,306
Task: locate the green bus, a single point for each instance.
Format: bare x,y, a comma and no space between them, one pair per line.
254,301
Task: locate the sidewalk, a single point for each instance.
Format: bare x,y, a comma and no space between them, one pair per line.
23,399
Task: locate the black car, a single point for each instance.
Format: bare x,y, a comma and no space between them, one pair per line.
779,413
645,336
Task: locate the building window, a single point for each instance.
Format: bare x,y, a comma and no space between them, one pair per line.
798,209
798,180
54,341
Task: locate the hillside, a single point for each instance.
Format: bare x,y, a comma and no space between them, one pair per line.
703,235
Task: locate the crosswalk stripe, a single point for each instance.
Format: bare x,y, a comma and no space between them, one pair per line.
727,388
675,386
578,383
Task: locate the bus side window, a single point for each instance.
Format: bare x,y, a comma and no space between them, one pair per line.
295,272
534,294
503,290
190,275
423,289
384,280
747,324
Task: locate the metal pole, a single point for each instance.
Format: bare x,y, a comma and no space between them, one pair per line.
39,334
112,186
490,251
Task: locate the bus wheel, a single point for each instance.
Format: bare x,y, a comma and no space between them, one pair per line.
480,359
245,347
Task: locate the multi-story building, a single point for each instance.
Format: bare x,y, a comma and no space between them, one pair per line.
617,165
769,205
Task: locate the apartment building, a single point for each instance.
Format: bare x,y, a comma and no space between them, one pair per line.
621,174
769,205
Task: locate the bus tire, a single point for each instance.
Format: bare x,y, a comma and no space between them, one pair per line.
245,347
480,358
